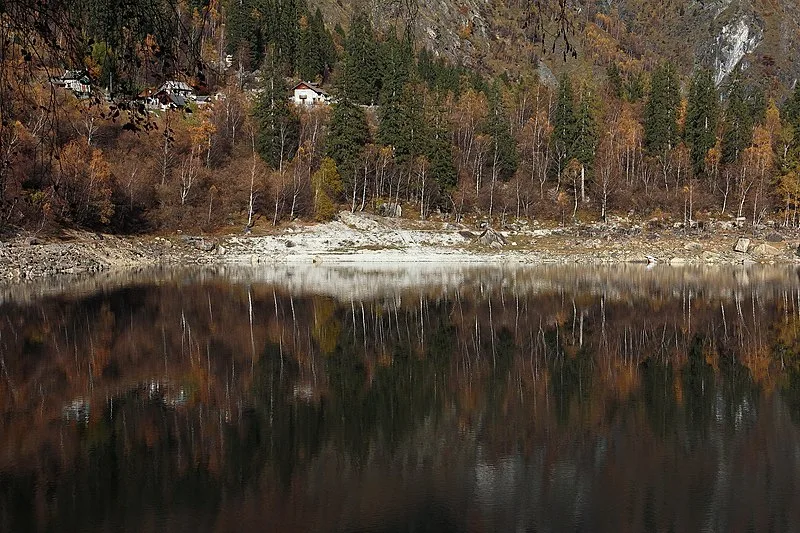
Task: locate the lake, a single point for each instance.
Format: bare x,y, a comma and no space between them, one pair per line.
405,398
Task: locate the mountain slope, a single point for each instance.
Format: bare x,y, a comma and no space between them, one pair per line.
762,37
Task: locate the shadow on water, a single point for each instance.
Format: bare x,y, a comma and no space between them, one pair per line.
543,399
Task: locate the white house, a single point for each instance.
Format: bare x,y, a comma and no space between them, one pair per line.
306,93
76,81
171,94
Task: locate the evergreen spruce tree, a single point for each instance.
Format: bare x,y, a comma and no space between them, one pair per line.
564,124
737,129
402,122
285,34
440,155
702,115
278,126
661,111
791,108
324,43
634,87
585,142
504,146
347,135
426,67
316,53
615,83
243,31
360,79
308,62
396,63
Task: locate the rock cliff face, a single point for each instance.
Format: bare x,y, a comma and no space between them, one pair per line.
761,37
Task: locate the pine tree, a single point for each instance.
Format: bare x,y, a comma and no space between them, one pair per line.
564,124
324,42
702,115
315,50
278,126
440,155
243,31
360,79
308,62
348,134
615,83
504,147
285,34
661,111
791,108
737,130
402,122
634,87
396,62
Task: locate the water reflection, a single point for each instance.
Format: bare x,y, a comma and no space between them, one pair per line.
412,399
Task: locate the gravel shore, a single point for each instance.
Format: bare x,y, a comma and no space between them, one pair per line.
364,238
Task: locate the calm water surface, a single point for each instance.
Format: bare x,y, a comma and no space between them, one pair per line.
408,399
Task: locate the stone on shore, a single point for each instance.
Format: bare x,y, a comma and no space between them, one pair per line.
765,250
742,245
492,238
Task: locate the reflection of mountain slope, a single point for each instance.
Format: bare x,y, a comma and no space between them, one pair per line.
370,399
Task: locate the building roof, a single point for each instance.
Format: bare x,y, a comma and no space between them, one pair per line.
74,75
311,86
177,100
175,86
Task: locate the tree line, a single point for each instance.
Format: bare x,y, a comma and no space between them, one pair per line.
406,128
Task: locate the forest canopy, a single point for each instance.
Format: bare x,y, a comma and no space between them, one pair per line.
402,124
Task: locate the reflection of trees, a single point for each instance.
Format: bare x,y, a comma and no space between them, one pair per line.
658,384
698,389
196,391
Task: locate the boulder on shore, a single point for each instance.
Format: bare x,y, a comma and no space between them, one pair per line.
490,237
742,244
765,250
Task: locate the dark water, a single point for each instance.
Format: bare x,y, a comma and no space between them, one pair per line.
331,399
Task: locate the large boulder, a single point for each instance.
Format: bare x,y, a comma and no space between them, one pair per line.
742,245
490,237
765,250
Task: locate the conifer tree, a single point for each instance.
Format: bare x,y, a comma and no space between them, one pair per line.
615,83
243,32
585,142
285,34
702,115
402,122
347,136
504,147
791,108
661,110
315,51
397,63
360,78
278,126
564,123
634,87
440,155
737,130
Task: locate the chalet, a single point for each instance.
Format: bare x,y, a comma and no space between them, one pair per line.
76,81
171,95
307,93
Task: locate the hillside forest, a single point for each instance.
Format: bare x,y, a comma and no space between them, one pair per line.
405,126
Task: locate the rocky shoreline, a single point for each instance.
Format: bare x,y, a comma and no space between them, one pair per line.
364,238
